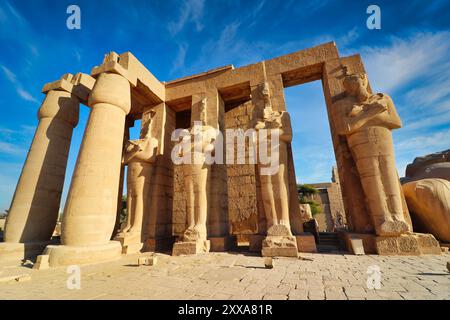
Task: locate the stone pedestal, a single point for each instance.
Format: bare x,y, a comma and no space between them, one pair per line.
279,242
408,244
78,255
13,253
221,244
190,247
306,242
279,246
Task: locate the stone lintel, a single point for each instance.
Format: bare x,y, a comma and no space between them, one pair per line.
128,66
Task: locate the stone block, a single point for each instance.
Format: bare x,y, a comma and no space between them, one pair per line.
191,247
306,242
279,246
268,262
368,240
356,246
152,261
408,244
42,262
132,248
142,261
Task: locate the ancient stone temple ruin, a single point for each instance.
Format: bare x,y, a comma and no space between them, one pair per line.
194,208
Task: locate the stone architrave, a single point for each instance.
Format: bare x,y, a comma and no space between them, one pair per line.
274,180
366,120
429,203
35,207
196,145
91,205
140,156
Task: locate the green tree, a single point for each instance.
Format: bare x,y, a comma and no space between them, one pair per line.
123,214
305,191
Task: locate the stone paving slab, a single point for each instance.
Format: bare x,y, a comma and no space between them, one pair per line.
237,276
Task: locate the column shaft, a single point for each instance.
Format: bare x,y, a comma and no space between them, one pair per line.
91,206
35,205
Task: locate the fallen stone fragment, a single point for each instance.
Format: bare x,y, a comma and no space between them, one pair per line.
268,262
41,262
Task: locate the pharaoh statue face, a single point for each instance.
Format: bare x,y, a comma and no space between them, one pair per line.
356,85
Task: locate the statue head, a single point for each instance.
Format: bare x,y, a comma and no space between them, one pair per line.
356,84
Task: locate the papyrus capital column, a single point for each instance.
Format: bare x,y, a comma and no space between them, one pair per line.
91,206
35,205
90,211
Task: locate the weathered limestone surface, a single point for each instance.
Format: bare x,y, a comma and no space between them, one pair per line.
408,244
366,120
429,203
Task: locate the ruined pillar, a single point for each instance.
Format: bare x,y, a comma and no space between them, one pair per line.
91,205
35,206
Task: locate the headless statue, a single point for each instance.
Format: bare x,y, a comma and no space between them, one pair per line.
367,120
275,186
196,178
139,155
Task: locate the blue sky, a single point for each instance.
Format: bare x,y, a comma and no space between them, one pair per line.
408,59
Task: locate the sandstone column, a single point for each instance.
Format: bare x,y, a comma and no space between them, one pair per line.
35,205
90,211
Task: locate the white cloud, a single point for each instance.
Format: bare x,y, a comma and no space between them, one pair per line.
25,95
403,60
11,76
428,142
180,58
191,11
11,149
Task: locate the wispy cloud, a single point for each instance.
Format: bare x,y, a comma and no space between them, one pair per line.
428,142
191,11
25,95
178,63
403,60
12,78
11,149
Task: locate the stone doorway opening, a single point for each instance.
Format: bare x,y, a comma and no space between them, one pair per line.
320,195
